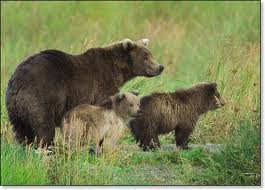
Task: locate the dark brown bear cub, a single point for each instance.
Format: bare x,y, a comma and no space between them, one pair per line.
178,111
48,84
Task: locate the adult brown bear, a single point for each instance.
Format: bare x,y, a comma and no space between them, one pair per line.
46,85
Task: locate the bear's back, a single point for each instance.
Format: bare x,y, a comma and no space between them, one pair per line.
47,66
167,110
91,124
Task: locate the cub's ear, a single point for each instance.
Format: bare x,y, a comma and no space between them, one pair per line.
212,87
106,103
144,42
128,44
135,93
120,97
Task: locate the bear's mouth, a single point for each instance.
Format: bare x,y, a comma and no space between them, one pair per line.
219,102
153,74
136,115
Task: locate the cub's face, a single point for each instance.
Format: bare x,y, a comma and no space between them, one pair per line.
127,104
142,61
215,100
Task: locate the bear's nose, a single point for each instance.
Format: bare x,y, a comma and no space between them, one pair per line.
139,112
161,68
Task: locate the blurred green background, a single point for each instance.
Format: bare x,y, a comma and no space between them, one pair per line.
195,41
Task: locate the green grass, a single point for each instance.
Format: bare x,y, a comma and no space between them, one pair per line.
21,167
195,41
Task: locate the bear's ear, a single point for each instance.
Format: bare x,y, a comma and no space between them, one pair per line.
120,97
106,103
135,93
128,44
144,42
212,87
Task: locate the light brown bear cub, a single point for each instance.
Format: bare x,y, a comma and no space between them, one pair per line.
178,111
101,125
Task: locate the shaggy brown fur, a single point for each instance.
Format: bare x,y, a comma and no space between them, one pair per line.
45,86
101,125
178,111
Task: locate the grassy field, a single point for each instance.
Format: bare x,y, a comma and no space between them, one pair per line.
195,41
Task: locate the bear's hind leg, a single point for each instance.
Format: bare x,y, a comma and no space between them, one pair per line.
23,132
45,133
154,143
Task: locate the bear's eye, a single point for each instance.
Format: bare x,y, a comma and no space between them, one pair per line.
145,55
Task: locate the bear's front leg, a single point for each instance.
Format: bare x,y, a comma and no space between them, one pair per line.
149,143
182,137
98,149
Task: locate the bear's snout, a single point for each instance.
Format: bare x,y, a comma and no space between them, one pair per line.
137,113
161,68
154,70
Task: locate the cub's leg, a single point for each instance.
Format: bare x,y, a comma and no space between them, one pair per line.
98,149
145,143
149,142
155,142
182,137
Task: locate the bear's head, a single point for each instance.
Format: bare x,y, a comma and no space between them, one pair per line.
141,59
213,97
125,104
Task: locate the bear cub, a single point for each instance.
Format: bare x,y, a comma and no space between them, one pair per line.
178,111
101,125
